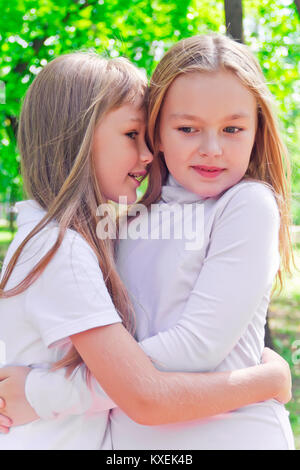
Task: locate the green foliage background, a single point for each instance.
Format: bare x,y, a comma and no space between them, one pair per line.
33,32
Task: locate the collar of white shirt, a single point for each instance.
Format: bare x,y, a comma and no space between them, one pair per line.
174,192
29,212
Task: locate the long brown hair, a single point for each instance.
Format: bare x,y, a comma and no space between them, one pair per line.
269,160
59,114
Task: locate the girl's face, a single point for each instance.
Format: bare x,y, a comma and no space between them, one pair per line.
207,131
120,153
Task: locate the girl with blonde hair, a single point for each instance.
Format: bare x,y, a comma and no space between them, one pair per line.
216,143
147,395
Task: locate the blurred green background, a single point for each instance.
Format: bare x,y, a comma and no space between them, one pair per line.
34,32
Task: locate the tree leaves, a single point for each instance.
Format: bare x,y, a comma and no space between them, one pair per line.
32,33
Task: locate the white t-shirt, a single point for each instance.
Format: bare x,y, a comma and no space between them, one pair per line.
70,296
203,310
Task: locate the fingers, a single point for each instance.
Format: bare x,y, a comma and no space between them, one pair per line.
4,430
5,422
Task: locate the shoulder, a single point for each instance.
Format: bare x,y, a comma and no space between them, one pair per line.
73,252
74,267
30,213
74,258
72,241
250,197
76,244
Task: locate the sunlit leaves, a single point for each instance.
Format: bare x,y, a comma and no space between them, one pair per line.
32,33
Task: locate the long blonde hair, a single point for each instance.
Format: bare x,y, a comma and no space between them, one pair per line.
59,114
269,160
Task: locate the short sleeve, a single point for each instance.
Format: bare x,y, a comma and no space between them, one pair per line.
70,296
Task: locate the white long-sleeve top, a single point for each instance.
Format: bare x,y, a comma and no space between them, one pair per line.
203,310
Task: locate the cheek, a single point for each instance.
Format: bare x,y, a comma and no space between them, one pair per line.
111,165
100,158
239,151
249,142
97,167
176,149
100,167
168,140
172,159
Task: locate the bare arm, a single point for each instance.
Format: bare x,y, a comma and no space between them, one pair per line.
147,395
152,397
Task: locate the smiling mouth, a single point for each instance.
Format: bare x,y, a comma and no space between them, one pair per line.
138,176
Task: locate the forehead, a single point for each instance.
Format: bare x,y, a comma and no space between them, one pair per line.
214,93
134,111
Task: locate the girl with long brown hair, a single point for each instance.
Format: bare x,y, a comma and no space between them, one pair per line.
81,137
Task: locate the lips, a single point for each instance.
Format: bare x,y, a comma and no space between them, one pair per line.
208,171
138,176
209,168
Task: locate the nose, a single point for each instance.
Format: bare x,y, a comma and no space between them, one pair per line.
210,145
146,156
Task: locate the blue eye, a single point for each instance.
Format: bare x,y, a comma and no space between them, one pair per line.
233,129
186,129
132,135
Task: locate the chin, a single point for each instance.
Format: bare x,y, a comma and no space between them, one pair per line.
131,197
132,201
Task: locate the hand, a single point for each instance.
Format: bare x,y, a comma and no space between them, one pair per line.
285,393
5,421
15,409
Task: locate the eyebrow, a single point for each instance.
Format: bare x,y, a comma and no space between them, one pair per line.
136,119
191,117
